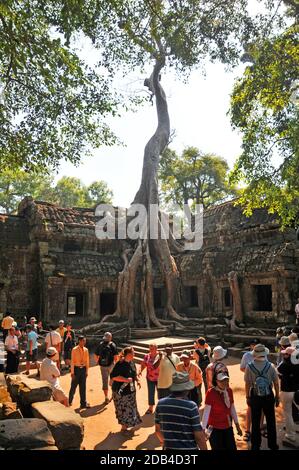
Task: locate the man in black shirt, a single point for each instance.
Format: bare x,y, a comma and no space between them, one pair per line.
106,356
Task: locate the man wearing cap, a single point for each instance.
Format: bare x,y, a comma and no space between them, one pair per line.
195,375
32,322
79,372
31,349
219,353
260,376
284,342
177,420
53,339
167,363
106,356
289,379
6,324
49,372
246,359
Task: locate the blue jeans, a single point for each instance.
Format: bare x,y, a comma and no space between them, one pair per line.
151,387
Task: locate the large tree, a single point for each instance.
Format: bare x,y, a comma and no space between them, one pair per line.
67,192
52,104
265,108
181,34
193,175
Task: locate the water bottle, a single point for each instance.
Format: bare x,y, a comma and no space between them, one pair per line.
209,432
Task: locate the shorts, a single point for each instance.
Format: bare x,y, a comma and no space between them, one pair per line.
59,395
105,371
31,357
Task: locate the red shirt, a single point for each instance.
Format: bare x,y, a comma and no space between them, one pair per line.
152,373
220,415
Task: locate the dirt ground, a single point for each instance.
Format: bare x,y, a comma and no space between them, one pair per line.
102,432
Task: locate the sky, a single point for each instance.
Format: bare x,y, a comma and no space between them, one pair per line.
198,114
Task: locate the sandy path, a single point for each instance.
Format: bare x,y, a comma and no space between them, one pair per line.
102,429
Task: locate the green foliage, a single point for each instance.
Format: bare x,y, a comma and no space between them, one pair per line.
265,107
68,192
16,184
52,104
193,175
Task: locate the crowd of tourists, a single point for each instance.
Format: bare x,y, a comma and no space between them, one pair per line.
195,400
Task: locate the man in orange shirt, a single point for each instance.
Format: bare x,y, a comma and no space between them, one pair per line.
79,372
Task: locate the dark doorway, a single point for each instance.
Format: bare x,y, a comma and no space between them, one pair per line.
262,298
75,304
108,303
227,297
193,296
158,297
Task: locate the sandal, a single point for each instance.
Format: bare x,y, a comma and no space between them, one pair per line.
247,436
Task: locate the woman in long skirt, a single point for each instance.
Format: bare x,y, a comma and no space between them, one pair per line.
124,378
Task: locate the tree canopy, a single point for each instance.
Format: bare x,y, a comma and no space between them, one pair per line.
193,175
265,107
67,192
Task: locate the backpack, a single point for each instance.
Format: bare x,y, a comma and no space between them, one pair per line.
106,355
262,386
295,354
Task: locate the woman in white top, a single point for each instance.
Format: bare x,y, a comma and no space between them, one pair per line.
13,355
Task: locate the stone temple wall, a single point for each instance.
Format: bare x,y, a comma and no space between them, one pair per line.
53,266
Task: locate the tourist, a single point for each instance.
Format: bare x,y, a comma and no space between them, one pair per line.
177,420
152,375
297,312
61,330
195,375
39,327
106,356
283,343
167,363
279,335
13,354
289,378
31,349
49,371
124,377
260,376
293,338
53,338
68,345
219,353
79,372
202,355
219,413
6,324
246,359
33,322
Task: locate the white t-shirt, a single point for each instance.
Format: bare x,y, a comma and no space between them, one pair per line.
53,338
166,370
48,369
11,342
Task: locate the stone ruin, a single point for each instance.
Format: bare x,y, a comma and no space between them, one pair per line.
31,420
53,266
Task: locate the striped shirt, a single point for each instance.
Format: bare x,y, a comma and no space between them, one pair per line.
178,419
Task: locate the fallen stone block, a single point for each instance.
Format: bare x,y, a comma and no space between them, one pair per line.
10,411
25,433
26,391
4,394
65,425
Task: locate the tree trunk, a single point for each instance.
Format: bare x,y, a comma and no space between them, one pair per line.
147,195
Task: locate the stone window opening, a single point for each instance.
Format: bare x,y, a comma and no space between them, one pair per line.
108,303
193,298
227,298
71,245
75,304
262,298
